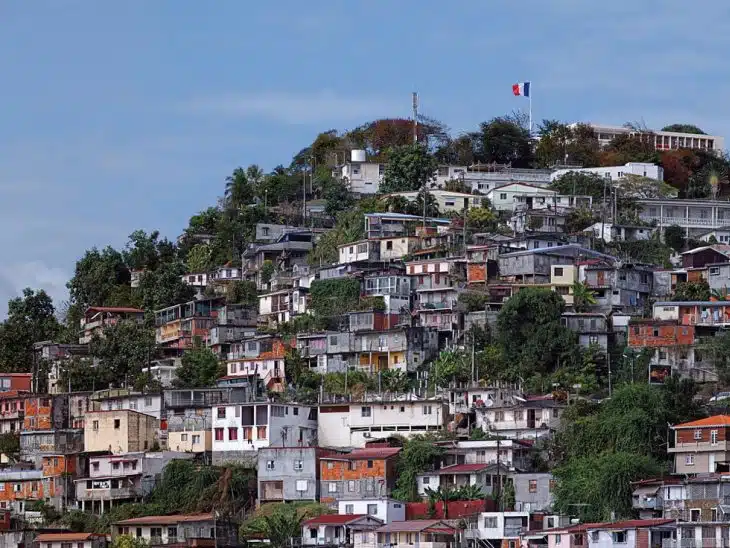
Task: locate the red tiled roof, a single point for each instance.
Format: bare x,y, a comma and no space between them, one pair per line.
164,520
461,468
119,309
333,519
65,537
13,394
717,420
369,453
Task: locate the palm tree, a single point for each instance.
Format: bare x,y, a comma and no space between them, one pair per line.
396,204
443,495
719,294
470,492
583,296
238,189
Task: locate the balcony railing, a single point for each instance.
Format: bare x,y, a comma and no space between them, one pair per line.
682,221
692,543
106,494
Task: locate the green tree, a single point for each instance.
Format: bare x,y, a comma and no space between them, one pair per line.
164,287
243,292
239,190
482,218
31,318
334,297
581,184
396,381
101,278
692,291
418,455
128,541
530,333
450,366
198,259
199,368
674,237
124,351
504,141
636,186
81,375
583,297
146,252
10,446
457,185
579,220
683,128
409,167
599,487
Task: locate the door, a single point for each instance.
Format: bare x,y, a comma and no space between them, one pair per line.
711,462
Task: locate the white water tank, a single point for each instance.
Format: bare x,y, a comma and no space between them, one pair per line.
357,156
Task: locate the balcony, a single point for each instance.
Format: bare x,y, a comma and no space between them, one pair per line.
692,543
119,493
447,304
683,221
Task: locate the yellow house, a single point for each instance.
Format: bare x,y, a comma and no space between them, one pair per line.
191,441
562,278
120,431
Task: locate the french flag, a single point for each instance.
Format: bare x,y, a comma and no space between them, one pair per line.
521,88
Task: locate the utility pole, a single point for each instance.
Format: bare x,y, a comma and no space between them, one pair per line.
499,480
415,116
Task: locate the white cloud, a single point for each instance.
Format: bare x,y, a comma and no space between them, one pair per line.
298,108
15,277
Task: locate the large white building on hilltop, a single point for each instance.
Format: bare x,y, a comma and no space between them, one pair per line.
663,140
616,173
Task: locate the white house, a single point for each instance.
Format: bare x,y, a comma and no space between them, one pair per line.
337,529
456,475
354,424
695,216
240,428
361,176
64,540
182,528
196,279
616,173
424,533
385,509
483,181
447,201
362,251
121,399
610,232
492,526
507,197
721,235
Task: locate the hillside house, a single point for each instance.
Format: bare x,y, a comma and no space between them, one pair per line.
289,474
528,417
185,529
425,533
66,540
361,474
701,446
337,529
239,430
353,424
98,318
189,416
120,431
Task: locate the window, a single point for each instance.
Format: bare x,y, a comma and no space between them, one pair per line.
689,460
557,539
298,465
551,485
713,516
301,485
426,480
117,424
503,196
558,271
115,466
95,425
232,434
714,271
713,438
695,514
594,536
349,508
221,413
295,410
490,522
366,411
95,466
330,465
389,245
370,464
269,465
196,439
219,434
498,416
332,487
619,537
533,486
698,434
183,437
427,410
373,509
148,402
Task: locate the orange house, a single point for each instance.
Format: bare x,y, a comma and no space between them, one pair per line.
363,473
21,485
660,333
38,413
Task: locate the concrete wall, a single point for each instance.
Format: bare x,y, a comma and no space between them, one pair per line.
295,467
120,431
539,500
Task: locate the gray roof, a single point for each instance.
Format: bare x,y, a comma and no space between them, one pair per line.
413,525
572,250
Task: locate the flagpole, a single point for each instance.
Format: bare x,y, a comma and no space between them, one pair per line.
530,98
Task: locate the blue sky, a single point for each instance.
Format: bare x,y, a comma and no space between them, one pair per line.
123,115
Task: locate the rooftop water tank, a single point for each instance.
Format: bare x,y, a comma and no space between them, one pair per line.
357,156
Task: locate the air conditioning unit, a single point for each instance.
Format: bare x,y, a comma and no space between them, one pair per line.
367,435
